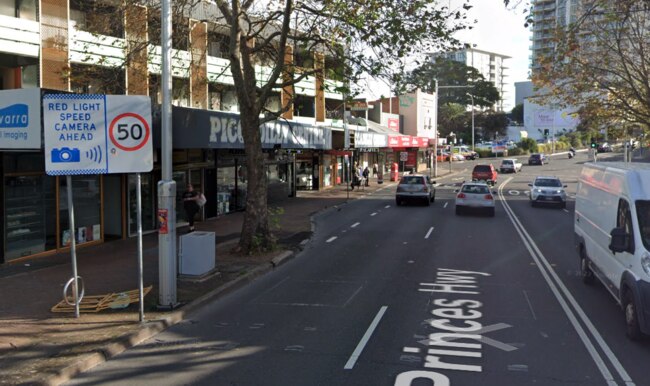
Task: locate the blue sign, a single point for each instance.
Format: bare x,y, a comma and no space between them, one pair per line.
20,118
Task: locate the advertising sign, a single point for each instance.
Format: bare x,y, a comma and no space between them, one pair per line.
20,119
97,134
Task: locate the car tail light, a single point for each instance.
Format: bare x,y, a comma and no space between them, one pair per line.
460,195
489,197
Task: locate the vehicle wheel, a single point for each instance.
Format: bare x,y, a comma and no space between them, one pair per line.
633,331
532,203
458,211
427,202
398,202
585,272
563,205
491,212
433,198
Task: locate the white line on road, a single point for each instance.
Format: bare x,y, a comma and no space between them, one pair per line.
446,203
331,239
356,224
565,210
429,233
373,213
558,288
387,206
364,340
530,305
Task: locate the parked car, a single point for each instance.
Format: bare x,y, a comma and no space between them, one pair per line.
442,156
510,165
547,190
466,152
485,172
612,234
604,148
474,195
415,187
537,159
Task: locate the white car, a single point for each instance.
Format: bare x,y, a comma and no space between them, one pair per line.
510,165
416,187
475,195
547,190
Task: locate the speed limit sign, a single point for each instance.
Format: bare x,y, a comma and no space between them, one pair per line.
97,134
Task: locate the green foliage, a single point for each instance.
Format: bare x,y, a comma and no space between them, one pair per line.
452,117
528,144
516,151
492,124
517,113
452,73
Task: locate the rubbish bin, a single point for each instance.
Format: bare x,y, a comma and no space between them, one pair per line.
196,252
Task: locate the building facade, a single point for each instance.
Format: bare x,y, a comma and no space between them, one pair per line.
548,15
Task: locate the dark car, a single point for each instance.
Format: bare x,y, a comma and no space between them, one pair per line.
604,148
537,159
485,173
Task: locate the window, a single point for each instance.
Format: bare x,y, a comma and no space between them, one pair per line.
624,220
643,215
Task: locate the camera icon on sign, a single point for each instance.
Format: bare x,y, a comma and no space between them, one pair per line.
65,154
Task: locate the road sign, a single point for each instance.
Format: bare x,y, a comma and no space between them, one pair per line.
403,156
97,134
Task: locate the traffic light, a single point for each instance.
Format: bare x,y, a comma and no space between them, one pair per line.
594,145
546,132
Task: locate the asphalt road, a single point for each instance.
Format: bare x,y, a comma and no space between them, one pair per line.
409,295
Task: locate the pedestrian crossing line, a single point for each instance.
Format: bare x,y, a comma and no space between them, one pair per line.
331,239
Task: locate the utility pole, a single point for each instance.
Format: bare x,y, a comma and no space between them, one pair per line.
472,97
435,129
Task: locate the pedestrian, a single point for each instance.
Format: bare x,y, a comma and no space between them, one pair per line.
191,205
374,170
366,174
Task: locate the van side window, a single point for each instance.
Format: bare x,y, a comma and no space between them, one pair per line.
624,220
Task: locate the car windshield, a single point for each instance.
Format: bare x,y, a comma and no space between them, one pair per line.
643,214
550,182
412,180
476,189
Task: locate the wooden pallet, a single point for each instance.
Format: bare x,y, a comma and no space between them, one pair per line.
101,302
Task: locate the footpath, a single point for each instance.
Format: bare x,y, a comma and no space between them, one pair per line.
39,347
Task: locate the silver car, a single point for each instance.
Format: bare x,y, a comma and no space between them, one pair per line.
547,190
415,187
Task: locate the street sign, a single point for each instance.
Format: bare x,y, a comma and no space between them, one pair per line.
97,134
403,156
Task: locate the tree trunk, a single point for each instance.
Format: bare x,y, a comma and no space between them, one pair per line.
255,235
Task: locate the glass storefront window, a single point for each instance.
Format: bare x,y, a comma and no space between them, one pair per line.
148,191
225,189
327,171
86,196
181,184
25,216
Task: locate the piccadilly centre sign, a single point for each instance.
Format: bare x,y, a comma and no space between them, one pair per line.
97,134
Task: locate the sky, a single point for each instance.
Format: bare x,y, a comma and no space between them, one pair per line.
497,30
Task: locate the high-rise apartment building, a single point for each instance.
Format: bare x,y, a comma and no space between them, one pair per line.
490,64
547,15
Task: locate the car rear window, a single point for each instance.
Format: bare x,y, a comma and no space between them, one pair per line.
476,189
412,180
534,156
482,168
507,162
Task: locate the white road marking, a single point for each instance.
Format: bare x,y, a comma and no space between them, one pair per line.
558,288
446,203
565,210
530,305
429,233
356,224
364,340
387,206
331,239
513,192
373,213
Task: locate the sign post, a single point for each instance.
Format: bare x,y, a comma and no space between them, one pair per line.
97,134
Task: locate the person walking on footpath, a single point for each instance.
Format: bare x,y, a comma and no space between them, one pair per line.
374,170
191,205
366,174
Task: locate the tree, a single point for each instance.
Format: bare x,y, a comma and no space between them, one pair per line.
493,124
346,40
452,73
600,64
452,117
369,37
517,114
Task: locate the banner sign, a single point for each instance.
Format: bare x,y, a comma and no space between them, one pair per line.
220,130
97,134
20,119
365,140
407,141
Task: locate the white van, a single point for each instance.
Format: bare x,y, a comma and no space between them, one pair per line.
612,231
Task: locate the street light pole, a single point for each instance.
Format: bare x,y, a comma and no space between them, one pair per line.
472,98
435,130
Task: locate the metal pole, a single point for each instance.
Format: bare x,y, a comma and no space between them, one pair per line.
167,186
472,98
73,246
435,129
138,196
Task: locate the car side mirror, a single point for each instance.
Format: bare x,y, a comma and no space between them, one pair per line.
530,184
494,192
619,240
565,186
456,191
